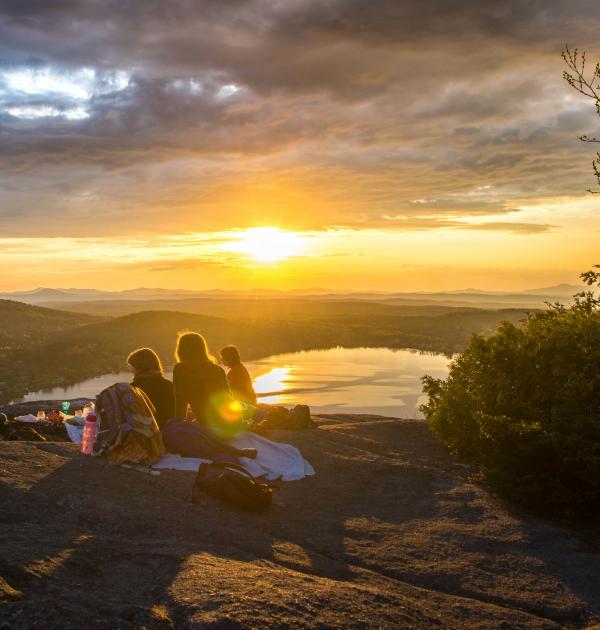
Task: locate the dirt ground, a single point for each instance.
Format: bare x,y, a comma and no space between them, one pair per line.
390,533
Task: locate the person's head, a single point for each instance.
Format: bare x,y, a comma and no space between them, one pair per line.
144,361
192,348
230,356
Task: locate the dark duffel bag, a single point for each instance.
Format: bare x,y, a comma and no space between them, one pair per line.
233,484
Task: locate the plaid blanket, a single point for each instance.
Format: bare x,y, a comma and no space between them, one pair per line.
127,430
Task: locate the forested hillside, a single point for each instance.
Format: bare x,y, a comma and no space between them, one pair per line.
21,324
63,348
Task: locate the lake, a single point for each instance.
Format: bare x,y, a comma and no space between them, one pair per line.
337,380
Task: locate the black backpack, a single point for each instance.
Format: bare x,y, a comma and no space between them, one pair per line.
233,484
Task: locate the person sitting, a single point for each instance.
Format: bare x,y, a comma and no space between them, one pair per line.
198,380
148,376
238,379
201,383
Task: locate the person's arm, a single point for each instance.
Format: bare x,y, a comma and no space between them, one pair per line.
223,380
234,381
241,384
230,378
179,390
250,389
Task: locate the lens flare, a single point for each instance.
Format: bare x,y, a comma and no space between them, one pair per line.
231,411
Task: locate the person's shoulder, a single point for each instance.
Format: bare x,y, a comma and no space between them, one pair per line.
178,371
165,382
238,370
215,372
216,368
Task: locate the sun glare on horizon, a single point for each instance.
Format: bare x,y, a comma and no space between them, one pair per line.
269,244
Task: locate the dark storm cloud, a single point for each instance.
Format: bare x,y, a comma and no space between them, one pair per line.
373,104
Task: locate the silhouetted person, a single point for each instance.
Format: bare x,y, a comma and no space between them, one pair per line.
148,376
201,383
238,379
198,380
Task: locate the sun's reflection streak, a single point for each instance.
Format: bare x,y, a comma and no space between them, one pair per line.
372,380
271,385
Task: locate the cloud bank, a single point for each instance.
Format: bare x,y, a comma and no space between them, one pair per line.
118,117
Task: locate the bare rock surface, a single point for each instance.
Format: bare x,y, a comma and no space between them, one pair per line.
390,533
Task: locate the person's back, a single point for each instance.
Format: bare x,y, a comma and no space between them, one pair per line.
198,384
148,376
161,394
201,383
238,378
240,384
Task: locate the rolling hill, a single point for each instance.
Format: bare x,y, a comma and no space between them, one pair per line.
251,309
21,324
53,348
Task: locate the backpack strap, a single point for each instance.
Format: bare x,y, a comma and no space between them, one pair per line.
230,466
243,471
195,489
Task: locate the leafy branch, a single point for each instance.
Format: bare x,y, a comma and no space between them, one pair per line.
589,86
591,277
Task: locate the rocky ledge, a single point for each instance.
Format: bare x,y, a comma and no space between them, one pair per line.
390,533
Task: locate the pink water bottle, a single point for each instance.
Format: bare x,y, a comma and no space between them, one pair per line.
89,434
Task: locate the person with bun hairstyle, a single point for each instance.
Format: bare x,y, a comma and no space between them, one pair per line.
148,376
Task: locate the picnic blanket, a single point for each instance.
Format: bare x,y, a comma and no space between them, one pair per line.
274,460
75,432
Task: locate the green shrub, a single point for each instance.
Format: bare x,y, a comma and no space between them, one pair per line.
524,404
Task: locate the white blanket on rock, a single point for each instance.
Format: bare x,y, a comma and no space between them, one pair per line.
274,460
74,432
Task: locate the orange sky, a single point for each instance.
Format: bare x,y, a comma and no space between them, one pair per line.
272,258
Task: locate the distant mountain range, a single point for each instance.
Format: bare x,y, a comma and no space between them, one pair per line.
45,295
467,297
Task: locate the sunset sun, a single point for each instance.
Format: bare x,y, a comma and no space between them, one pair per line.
269,244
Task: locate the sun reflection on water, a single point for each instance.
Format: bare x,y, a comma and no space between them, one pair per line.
273,382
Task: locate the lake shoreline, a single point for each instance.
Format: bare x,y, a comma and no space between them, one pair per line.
371,380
